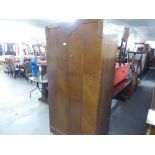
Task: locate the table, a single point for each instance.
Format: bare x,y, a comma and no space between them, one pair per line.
43,65
40,80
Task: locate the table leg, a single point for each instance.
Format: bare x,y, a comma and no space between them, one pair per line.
44,96
37,87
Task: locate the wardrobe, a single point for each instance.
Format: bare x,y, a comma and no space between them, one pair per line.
81,60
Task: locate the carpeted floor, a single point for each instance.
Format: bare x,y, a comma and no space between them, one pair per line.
128,118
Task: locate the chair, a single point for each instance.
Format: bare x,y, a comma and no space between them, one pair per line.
10,68
16,71
27,67
22,71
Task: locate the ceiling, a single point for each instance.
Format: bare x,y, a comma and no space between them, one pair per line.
144,29
41,23
22,30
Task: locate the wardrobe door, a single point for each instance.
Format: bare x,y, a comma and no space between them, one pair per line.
75,69
57,80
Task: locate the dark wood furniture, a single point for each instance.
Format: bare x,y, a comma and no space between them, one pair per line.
81,62
141,64
125,89
43,65
118,89
150,122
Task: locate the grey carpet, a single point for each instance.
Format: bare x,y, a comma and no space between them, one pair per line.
128,118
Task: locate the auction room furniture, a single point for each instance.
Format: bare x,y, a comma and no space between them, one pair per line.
81,62
150,122
43,72
120,87
43,66
39,80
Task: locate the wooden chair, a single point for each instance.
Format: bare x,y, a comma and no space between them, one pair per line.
27,68
10,67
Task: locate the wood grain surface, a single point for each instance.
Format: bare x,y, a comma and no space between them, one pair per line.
80,66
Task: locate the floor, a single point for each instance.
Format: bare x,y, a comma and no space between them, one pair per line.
128,118
20,115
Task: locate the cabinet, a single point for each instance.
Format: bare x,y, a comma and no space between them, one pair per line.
80,65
